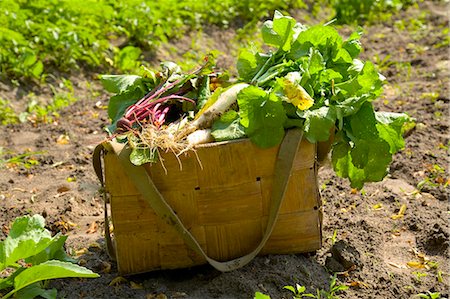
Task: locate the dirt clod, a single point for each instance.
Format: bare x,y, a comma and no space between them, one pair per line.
346,255
435,240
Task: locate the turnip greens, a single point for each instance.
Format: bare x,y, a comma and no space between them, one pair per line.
311,78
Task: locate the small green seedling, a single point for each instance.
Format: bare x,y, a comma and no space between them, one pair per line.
429,295
299,291
419,276
26,159
259,295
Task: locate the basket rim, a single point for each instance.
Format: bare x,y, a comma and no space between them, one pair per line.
219,143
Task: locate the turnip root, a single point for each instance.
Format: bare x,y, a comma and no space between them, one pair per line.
205,119
223,103
199,137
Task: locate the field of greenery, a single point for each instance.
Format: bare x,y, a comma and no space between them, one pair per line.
39,39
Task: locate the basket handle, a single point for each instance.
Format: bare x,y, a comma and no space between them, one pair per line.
97,163
147,188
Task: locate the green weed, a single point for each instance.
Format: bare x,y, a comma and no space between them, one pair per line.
418,276
334,237
444,41
27,159
38,112
429,295
362,11
7,114
436,175
300,291
38,35
431,96
383,64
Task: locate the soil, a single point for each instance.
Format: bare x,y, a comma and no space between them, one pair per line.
364,245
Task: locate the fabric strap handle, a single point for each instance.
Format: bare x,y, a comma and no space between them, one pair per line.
147,188
97,163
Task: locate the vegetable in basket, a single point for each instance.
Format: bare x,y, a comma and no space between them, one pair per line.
311,79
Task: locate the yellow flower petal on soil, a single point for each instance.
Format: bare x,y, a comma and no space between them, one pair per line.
400,214
378,206
297,95
81,251
417,265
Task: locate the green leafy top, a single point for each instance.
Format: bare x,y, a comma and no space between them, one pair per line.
318,72
129,89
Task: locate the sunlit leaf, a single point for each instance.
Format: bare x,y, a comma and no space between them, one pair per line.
50,270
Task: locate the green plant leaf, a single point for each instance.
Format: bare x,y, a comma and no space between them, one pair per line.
127,58
369,80
50,270
316,62
290,288
8,282
342,57
249,63
34,290
323,38
28,59
119,103
392,137
367,156
141,155
300,289
259,295
121,83
262,116
389,126
362,125
228,127
26,238
329,75
280,31
37,69
204,93
352,44
373,156
8,34
55,251
319,123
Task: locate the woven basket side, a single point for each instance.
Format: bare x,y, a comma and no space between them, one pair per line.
222,195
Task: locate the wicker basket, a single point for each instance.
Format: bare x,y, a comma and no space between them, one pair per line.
222,196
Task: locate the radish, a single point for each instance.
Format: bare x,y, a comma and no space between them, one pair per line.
225,100
206,117
180,136
155,105
199,137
